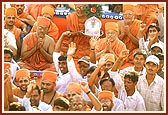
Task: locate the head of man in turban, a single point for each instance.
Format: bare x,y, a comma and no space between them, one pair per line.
110,61
106,99
48,81
20,8
73,88
111,30
78,103
79,8
23,78
48,12
10,15
43,25
128,13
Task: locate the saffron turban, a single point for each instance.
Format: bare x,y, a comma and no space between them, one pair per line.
128,7
11,11
111,26
22,73
50,76
105,95
72,86
48,10
42,21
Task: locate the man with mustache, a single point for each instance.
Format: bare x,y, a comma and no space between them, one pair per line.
151,86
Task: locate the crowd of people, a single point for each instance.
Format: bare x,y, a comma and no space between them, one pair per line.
123,71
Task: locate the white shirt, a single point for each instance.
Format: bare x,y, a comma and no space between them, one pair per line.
14,68
125,70
63,79
117,79
118,104
77,77
153,94
10,38
73,71
132,103
42,105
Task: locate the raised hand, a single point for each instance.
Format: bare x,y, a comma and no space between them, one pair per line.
103,60
127,29
39,43
31,86
141,31
84,85
124,54
71,49
93,41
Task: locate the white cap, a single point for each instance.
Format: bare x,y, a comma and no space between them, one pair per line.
157,44
153,59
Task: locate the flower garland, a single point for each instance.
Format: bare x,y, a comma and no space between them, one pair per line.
93,10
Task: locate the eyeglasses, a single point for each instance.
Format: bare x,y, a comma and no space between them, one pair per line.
79,105
71,95
21,81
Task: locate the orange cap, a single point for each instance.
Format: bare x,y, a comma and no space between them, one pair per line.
72,86
111,26
128,7
11,11
22,73
42,21
105,95
49,75
48,10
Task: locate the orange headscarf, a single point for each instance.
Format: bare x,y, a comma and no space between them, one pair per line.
111,26
49,75
48,10
105,95
11,11
128,7
42,21
22,73
72,86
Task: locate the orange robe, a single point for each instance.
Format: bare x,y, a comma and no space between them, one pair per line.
52,32
35,9
37,61
18,22
147,13
16,92
117,46
75,24
134,28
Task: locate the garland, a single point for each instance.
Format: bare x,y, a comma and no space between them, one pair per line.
93,10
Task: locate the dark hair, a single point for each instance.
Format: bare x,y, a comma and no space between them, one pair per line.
141,52
60,102
62,58
132,75
160,56
92,69
38,89
8,51
107,79
154,26
16,107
